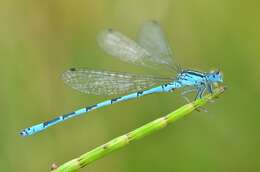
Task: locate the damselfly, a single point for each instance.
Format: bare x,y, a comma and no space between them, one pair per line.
151,50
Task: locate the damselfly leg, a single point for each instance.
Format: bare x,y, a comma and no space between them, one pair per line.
184,94
200,92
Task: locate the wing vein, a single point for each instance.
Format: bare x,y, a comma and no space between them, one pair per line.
109,83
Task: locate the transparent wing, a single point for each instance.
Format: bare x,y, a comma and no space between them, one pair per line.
152,49
118,45
108,83
151,37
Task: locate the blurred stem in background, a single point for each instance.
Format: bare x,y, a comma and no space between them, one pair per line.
137,134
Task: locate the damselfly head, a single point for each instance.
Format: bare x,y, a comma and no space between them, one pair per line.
215,76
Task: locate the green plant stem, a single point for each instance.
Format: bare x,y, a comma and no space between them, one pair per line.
137,134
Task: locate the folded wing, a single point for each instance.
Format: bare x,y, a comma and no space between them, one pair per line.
109,83
151,37
152,49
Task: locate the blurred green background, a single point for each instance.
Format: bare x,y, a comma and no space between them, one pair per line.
41,39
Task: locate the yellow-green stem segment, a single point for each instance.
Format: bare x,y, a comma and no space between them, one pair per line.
137,134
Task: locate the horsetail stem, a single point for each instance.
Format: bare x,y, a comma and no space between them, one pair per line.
136,134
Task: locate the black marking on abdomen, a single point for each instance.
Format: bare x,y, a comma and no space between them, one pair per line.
72,69
90,107
165,85
139,93
114,100
24,132
68,115
51,121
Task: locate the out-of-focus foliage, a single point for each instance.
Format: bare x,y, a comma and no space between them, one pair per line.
41,39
